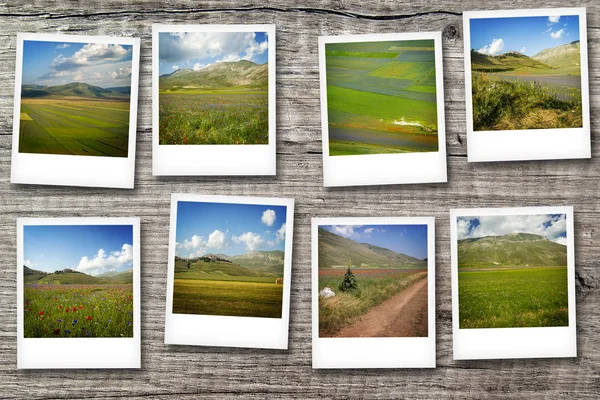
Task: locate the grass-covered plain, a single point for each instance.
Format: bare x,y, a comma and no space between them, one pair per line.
97,311
381,97
74,126
227,297
345,308
501,104
213,117
512,298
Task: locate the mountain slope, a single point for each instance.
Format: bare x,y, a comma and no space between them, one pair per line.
566,55
267,261
31,275
71,277
221,75
117,277
78,89
335,250
514,249
510,61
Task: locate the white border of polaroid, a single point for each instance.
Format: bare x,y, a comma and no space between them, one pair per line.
225,160
72,353
528,144
401,352
229,331
383,169
504,343
75,170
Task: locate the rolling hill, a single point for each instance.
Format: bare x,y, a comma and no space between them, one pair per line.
74,89
567,55
514,249
32,275
69,276
506,62
266,261
221,75
254,263
335,250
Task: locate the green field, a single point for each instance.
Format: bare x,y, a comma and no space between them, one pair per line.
74,126
227,297
214,117
511,298
73,310
381,97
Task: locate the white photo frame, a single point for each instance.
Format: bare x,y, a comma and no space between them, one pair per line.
524,342
72,353
226,330
75,170
533,144
382,169
374,352
217,159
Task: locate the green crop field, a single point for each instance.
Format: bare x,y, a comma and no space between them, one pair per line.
511,298
78,311
227,297
381,97
214,117
75,126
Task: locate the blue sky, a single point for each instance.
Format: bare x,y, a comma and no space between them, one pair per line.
551,226
407,239
58,63
527,35
92,249
197,50
231,229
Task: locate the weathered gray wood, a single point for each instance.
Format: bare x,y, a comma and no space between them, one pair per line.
183,371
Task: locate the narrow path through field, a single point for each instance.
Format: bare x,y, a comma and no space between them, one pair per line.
403,315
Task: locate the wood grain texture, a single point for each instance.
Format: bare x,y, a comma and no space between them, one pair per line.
187,372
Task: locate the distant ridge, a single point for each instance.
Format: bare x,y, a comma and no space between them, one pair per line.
74,89
567,55
513,249
69,276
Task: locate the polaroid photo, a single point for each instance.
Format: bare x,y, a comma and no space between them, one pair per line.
526,84
382,109
213,100
229,271
513,283
373,292
78,293
75,110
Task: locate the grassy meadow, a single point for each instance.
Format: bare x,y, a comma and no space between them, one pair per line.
375,287
78,310
193,116
513,297
381,97
224,288
74,126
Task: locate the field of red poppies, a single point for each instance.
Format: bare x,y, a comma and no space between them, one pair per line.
78,311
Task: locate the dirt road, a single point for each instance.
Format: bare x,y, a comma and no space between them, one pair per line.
404,315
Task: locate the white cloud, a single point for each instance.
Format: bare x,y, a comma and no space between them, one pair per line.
346,230
368,231
63,46
551,227
523,50
547,30
30,264
561,240
251,240
175,67
90,54
103,262
268,217
553,19
177,47
199,66
558,34
216,240
495,47
121,73
280,234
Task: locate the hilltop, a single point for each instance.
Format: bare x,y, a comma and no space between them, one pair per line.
74,89
70,276
567,55
221,75
254,263
513,249
335,250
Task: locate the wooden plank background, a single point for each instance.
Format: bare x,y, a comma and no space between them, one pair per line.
186,371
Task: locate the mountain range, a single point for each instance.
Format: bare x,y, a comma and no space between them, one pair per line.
70,276
335,250
254,263
513,249
75,89
563,57
221,75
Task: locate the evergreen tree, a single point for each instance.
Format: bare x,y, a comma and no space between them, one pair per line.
349,282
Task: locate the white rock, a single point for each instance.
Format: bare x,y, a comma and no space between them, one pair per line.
326,293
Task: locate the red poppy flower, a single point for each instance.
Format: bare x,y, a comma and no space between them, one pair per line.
67,309
56,331
41,313
81,307
60,307
74,309
89,317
